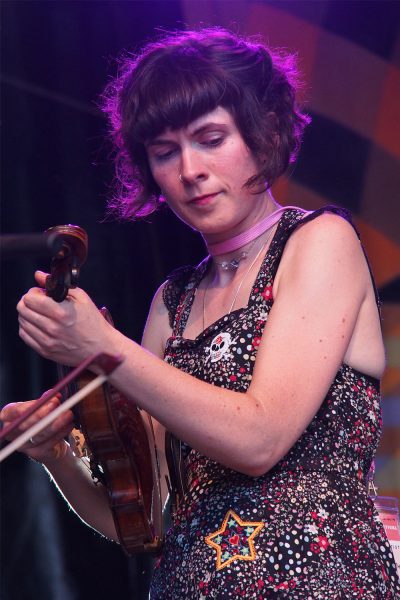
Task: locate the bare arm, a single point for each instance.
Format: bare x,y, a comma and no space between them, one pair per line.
155,335
70,474
88,500
305,340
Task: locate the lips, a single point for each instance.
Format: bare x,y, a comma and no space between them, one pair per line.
204,199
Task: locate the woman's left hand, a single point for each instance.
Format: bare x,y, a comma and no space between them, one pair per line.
66,332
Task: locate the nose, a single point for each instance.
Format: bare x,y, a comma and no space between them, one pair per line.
192,168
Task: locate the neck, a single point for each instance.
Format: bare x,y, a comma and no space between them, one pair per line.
246,237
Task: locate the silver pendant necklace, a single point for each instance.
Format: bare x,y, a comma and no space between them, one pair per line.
222,341
233,264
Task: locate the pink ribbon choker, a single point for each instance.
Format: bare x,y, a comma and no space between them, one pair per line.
247,236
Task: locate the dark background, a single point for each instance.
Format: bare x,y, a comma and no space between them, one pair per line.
56,58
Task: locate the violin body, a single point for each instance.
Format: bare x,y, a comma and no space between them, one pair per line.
118,436
121,450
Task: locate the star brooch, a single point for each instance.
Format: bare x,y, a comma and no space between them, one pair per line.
234,540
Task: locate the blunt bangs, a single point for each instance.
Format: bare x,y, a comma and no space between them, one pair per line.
186,93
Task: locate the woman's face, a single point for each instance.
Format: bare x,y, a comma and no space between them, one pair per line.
201,170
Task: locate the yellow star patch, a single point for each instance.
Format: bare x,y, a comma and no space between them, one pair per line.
234,540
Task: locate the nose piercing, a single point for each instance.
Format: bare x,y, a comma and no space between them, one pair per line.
180,177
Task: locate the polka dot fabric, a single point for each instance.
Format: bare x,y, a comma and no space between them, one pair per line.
306,529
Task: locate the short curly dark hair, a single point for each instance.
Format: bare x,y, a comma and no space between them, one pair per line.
184,75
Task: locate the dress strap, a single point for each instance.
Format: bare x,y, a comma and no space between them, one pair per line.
291,217
179,292
173,289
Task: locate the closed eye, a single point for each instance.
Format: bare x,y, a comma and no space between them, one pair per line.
212,142
162,156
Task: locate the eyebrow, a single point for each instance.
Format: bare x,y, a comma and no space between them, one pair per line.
201,129
209,125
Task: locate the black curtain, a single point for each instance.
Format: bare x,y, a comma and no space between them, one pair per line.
56,59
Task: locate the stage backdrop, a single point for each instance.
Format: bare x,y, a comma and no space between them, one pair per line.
349,53
56,58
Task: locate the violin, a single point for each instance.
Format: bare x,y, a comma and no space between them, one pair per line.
118,438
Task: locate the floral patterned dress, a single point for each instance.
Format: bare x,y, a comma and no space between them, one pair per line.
307,528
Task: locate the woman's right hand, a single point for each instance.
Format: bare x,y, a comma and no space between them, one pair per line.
49,444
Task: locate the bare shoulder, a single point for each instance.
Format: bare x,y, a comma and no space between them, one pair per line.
157,329
326,245
329,230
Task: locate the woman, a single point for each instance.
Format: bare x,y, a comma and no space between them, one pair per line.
262,363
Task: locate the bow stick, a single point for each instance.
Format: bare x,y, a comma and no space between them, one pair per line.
105,362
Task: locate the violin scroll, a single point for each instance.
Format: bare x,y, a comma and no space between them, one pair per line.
66,263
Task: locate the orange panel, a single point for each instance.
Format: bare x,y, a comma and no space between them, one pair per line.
391,319
390,441
383,254
281,29
391,382
387,131
348,82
